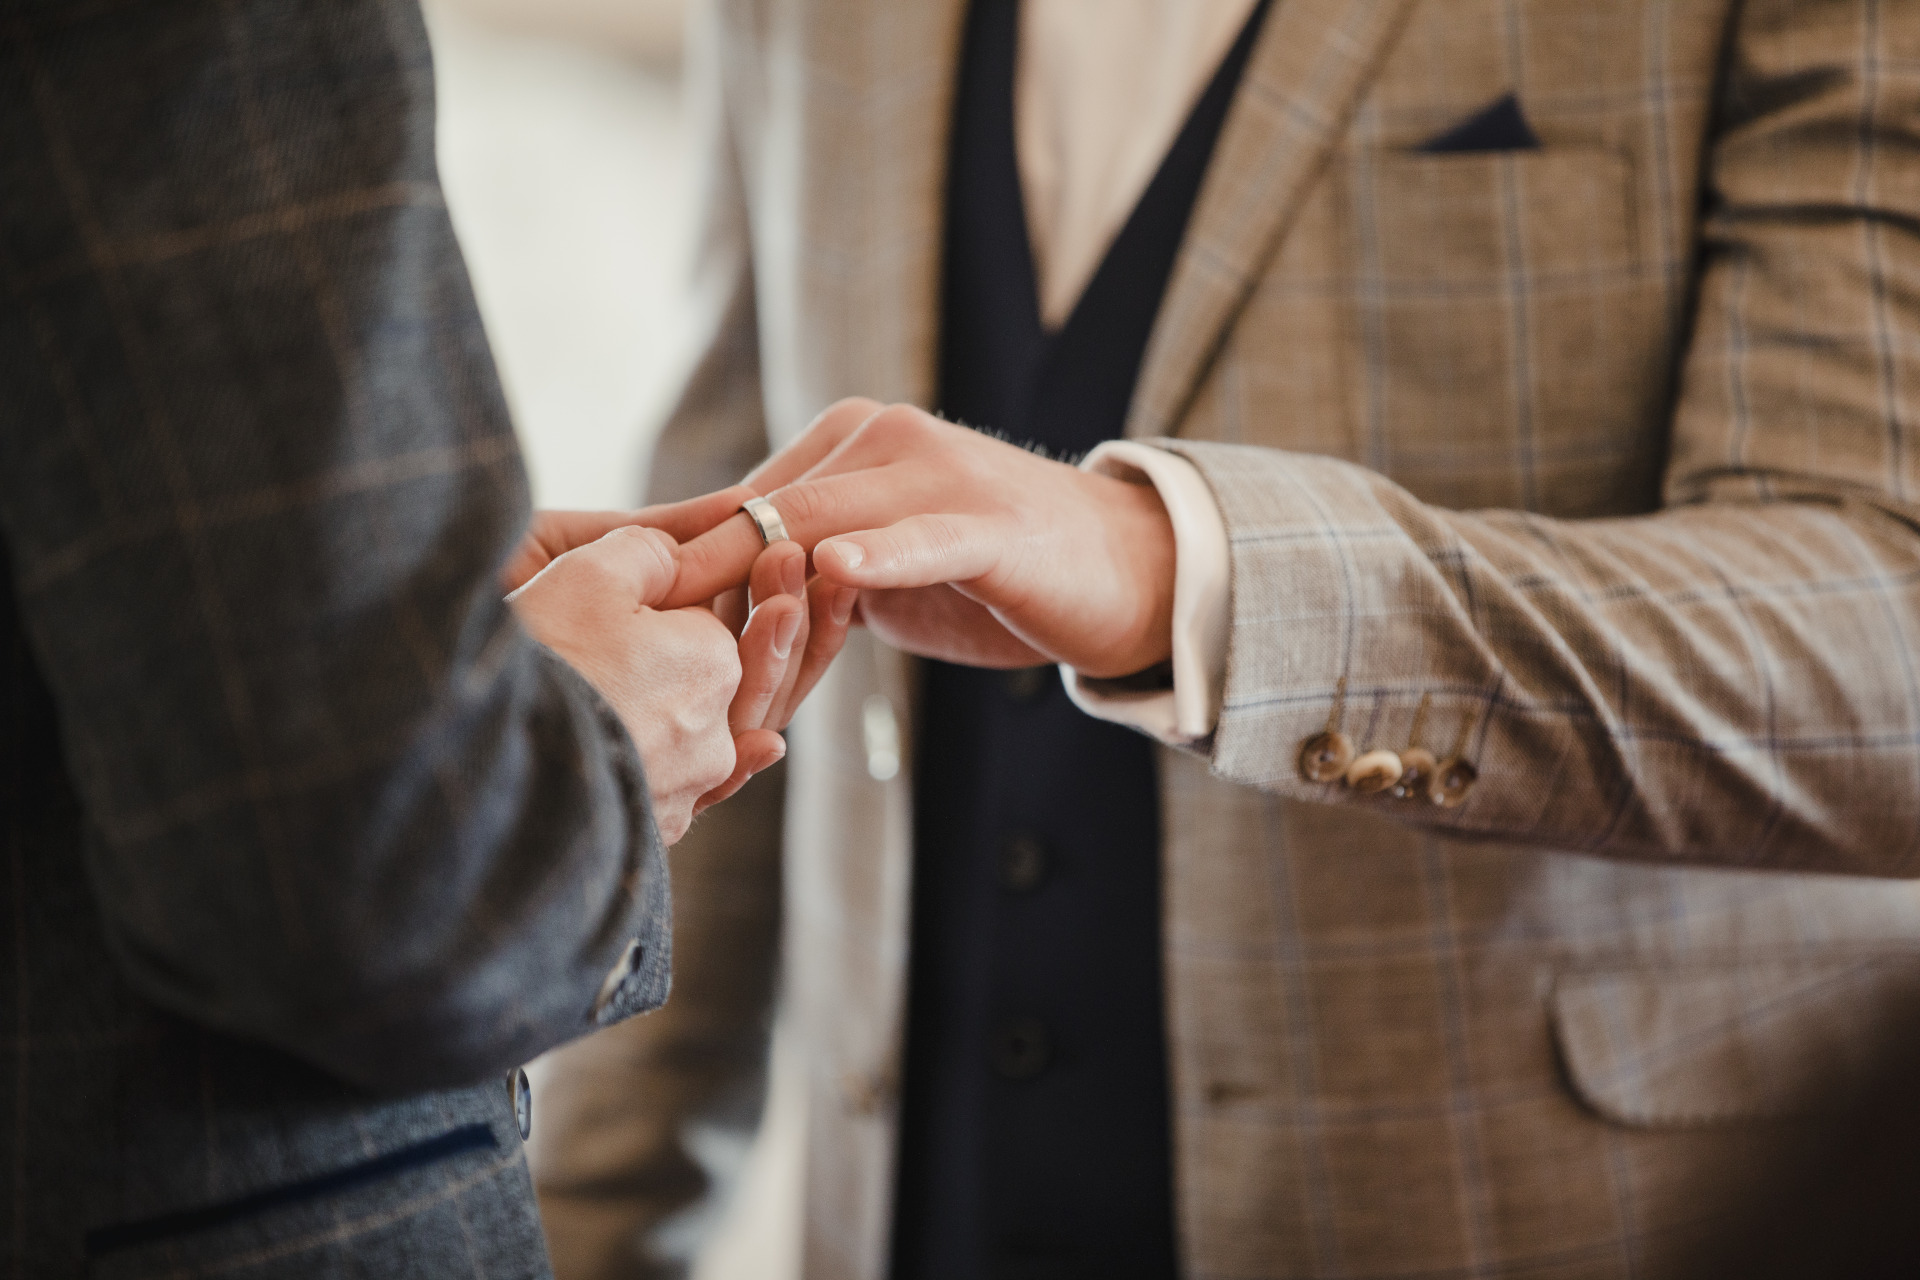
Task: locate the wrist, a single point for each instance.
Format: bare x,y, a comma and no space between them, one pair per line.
1137,537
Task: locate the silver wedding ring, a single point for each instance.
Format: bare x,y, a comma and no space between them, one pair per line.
767,519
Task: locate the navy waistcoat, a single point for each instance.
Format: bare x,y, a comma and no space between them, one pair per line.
1034,1129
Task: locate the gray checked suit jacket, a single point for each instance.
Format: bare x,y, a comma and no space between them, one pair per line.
306,843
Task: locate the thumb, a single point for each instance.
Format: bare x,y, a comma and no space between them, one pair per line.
646,558
919,551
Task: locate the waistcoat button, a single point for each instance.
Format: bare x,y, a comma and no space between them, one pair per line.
1023,863
1028,684
1021,1049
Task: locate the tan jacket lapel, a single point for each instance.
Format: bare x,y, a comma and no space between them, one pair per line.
1307,72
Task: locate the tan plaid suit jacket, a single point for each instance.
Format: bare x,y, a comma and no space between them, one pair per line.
1609,448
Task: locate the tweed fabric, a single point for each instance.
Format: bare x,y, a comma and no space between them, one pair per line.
1604,445
305,836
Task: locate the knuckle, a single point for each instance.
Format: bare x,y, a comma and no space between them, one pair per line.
643,535
699,557
898,424
977,465
799,503
588,569
653,548
944,534
664,563
716,664
843,416
727,668
717,759
848,407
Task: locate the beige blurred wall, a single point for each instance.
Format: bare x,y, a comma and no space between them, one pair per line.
566,171
646,31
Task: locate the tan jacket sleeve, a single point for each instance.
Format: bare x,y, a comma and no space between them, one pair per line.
1729,680
637,1125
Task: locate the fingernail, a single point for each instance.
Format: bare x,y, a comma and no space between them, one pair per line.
793,579
783,633
852,554
842,603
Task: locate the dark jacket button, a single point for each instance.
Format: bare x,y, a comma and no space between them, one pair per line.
1021,1049
521,1091
1023,863
1028,684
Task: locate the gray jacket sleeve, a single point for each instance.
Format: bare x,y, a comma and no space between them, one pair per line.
257,478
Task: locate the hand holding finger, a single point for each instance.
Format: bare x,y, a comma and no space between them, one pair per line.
1076,566
687,520
669,674
897,463
816,507
627,568
551,534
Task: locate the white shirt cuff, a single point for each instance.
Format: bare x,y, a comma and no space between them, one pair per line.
1201,606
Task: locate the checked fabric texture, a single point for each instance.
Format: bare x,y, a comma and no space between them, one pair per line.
1601,438
304,835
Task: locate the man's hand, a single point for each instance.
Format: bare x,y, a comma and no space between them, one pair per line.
554,533
697,704
963,547
780,570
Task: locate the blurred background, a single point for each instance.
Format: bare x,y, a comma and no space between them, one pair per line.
568,174
566,169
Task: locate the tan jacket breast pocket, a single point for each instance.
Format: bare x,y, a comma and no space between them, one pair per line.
1515,341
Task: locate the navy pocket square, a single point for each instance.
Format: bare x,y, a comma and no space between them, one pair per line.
1499,127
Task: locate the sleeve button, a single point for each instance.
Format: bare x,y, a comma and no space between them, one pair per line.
521,1091
1452,779
1416,770
1374,771
1325,756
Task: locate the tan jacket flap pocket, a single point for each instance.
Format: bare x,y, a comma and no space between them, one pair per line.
1694,1046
